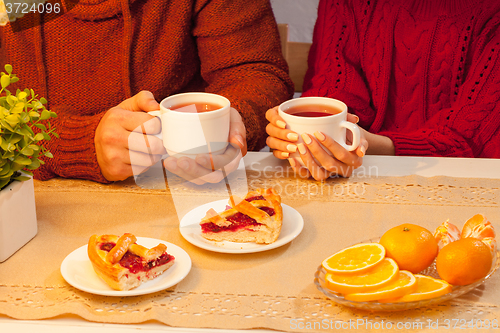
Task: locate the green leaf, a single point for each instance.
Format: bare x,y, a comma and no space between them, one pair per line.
53,114
21,178
34,147
27,151
5,80
45,115
43,100
5,169
48,154
39,136
6,125
16,138
34,114
55,134
8,68
14,79
29,173
13,120
41,126
11,100
4,182
22,95
22,160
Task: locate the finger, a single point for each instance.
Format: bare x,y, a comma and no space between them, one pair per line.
352,118
133,121
237,132
214,162
316,171
188,169
326,161
281,154
148,144
281,145
142,101
363,146
339,152
283,134
299,170
274,118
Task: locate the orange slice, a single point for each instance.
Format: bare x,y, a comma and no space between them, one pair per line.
355,259
379,275
405,284
427,287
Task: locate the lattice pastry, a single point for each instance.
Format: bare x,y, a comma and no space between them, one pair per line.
257,218
125,265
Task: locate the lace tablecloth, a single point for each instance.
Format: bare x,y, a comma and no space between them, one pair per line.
272,289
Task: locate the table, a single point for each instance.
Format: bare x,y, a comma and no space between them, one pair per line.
395,180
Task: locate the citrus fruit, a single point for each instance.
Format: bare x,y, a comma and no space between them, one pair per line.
427,287
355,259
413,247
406,283
478,227
368,280
446,233
464,261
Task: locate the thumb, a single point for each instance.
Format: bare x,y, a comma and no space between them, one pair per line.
142,101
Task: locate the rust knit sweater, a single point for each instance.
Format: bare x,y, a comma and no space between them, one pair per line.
424,73
104,51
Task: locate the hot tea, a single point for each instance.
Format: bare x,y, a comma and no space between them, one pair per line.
313,110
196,107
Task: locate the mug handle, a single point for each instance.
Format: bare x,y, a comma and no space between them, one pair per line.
157,114
356,135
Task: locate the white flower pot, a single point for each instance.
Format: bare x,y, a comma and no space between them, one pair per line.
18,223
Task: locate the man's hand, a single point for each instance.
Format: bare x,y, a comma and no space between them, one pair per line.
121,147
204,169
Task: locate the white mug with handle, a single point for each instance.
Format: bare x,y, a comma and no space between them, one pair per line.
326,115
194,123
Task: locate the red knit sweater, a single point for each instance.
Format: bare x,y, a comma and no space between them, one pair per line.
104,51
425,73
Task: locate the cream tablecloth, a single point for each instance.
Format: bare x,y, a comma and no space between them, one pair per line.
272,289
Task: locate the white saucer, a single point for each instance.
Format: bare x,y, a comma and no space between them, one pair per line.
78,271
190,229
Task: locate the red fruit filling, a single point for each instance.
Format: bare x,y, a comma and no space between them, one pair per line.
135,263
239,221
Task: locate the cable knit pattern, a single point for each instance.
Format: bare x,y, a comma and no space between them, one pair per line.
97,55
422,72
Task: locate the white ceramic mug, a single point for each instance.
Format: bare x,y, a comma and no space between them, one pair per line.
190,133
333,125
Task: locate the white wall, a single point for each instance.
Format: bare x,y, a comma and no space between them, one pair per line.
300,16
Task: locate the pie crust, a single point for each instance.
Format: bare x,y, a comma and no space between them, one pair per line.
256,218
125,265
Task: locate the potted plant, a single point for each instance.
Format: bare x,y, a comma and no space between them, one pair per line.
24,125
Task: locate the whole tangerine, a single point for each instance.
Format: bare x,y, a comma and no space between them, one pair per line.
464,261
413,247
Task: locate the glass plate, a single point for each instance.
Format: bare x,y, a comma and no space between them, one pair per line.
319,281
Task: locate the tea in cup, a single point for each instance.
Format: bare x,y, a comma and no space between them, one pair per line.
326,115
194,123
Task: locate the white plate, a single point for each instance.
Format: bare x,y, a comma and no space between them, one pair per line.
78,271
191,230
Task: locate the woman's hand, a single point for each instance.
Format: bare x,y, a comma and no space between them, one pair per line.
318,162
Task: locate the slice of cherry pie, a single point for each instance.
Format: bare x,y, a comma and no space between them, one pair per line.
125,265
257,218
